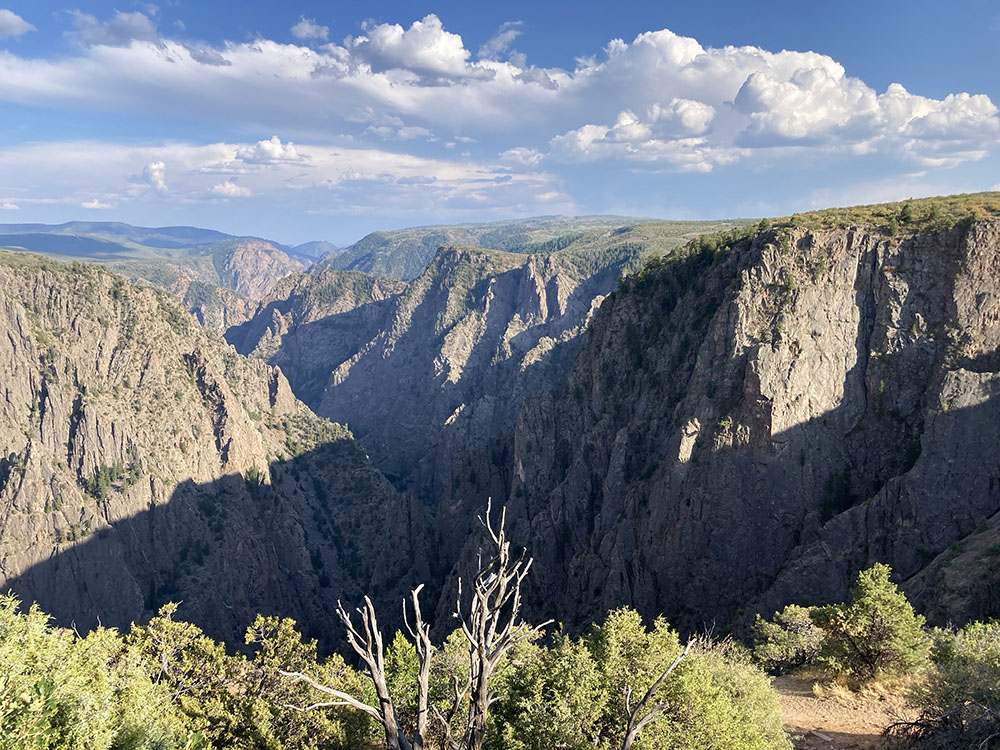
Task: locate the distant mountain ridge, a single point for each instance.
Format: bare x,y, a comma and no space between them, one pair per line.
129,240
404,253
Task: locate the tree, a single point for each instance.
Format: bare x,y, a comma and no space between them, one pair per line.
58,690
491,625
588,693
646,710
369,646
790,641
877,634
960,699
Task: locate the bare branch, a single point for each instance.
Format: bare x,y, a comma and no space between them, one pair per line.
636,718
343,699
492,624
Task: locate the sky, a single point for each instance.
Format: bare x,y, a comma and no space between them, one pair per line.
327,120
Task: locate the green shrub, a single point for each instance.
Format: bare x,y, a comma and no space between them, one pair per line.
790,641
573,694
877,634
59,691
960,700
966,668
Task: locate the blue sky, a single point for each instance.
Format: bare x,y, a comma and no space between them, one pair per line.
321,120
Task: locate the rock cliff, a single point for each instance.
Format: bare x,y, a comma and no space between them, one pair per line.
424,371
220,283
312,322
748,425
143,460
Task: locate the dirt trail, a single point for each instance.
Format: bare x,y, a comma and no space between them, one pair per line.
833,723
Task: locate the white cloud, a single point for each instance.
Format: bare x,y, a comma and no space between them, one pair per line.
95,203
12,24
119,31
230,189
333,180
271,151
155,175
424,48
684,116
524,157
307,28
500,42
9,206
205,54
660,101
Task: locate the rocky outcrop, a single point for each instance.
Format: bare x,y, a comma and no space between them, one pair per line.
143,460
749,426
221,283
428,371
313,322
252,267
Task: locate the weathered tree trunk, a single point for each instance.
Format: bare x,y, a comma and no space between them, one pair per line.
492,625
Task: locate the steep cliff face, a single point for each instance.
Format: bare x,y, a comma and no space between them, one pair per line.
749,426
445,366
312,322
142,460
220,283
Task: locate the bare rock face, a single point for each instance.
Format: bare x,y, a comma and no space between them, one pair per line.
748,428
221,283
312,322
442,366
142,460
254,267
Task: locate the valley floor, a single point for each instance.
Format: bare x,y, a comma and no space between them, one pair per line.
852,722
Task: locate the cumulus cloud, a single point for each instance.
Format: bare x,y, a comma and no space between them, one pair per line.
95,203
154,174
9,206
230,189
271,151
307,28
205,54
660,101
119,31
12,24
695,108
424,48
683,116
500,42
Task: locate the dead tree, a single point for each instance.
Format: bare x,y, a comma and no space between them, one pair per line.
420,632
642,713
368,645
492,627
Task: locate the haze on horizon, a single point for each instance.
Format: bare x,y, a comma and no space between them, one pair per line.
309,122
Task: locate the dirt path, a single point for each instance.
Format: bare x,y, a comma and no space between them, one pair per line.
833,723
